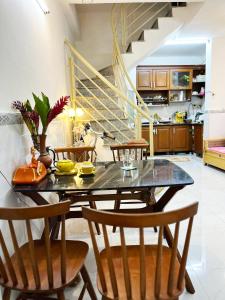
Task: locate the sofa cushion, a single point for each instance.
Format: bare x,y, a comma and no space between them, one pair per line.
217,149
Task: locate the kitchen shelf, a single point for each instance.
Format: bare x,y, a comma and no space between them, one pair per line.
180,101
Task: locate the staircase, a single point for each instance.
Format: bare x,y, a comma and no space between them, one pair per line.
108,115
164,21
108,96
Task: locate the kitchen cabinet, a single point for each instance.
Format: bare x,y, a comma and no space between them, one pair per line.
181,79
144,79
162,139
181,138
170,138
161,80
198,139
152,79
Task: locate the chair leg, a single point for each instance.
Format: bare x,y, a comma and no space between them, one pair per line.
87,280
60,295
116,207
6,294
93,205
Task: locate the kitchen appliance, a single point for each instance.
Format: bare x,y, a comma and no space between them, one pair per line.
180,116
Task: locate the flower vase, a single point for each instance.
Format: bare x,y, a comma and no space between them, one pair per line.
44,156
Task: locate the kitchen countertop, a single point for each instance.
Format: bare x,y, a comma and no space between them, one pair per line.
146,124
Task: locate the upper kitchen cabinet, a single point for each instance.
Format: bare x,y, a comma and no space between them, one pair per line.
152,79
144,79
161,80
181,79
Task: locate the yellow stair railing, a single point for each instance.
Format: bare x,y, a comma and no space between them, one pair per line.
85,97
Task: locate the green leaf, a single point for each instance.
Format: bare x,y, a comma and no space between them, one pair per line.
42,108
28,105
45,100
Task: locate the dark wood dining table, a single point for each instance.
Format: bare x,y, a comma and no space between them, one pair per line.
141,182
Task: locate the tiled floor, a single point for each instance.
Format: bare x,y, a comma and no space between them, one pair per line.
206,264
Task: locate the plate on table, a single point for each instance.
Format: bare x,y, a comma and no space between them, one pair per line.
60,173
129,168
86,174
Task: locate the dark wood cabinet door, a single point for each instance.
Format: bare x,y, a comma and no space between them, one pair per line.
198,139
161,80
145,133
144,79
162,139
181,138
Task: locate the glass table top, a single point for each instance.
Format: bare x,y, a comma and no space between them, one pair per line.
110,176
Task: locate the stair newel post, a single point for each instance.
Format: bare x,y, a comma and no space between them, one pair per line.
71,123
138,126
123,26
72,83
151,139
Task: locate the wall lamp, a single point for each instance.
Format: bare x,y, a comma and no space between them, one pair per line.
43,6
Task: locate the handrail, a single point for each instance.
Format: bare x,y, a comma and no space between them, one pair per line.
146,21
122,23
99,88
119,63
103,79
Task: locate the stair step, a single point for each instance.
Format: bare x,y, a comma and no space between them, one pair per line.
129,48
107,71
107,114
85,103
96,92
98,81
155,25
142,36
108,127
179,4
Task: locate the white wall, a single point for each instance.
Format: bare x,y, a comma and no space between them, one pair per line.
32,59
95,42
215,92
32,55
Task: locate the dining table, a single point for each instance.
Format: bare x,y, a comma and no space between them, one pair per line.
138,183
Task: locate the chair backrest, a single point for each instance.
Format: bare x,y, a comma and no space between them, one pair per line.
140,151
16,273
77,154
174,281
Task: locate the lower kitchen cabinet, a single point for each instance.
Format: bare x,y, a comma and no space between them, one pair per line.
181,138
198,139
170,138
162,138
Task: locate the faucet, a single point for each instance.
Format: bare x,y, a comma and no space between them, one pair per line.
198,114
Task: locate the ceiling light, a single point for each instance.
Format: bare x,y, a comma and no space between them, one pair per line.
43,6
186,41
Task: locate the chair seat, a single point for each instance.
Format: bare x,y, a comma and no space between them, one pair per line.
76,252
133,254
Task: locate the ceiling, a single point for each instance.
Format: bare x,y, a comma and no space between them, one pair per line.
123,1
181,50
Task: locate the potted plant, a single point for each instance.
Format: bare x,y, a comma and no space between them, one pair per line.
43,112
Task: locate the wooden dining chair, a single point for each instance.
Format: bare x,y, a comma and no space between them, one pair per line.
39,267
142,270
140,150
77,154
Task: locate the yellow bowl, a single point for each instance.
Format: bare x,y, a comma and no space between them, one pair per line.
86,167
65,165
